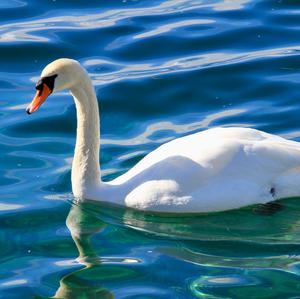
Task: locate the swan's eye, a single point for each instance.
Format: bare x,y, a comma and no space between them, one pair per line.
49,81
39,85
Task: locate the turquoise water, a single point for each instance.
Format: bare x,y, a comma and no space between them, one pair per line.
162,69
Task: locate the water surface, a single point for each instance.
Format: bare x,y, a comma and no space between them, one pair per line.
161,69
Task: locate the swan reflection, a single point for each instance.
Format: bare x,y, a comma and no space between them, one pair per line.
85,282
255,228
90,281
205,240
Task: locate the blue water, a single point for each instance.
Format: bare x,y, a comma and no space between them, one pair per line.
161,69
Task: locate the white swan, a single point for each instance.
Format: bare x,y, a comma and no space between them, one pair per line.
214,170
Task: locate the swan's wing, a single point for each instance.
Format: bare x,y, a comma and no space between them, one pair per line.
205,154
214,170
259,172
192,146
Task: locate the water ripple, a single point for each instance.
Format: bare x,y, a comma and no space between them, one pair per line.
162,69
179,64
145,137
30,30
168,27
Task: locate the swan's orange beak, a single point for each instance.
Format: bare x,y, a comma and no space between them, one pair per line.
40,97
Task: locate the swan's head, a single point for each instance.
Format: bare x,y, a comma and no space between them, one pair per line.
58,75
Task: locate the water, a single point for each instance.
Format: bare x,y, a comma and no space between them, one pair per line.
162,69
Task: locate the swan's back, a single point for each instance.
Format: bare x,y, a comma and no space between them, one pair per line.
214,149
218,169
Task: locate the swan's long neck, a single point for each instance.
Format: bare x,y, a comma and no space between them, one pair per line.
86,168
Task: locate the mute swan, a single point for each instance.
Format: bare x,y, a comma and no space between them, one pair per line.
218,169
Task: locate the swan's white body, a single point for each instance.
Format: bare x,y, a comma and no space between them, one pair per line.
214,170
